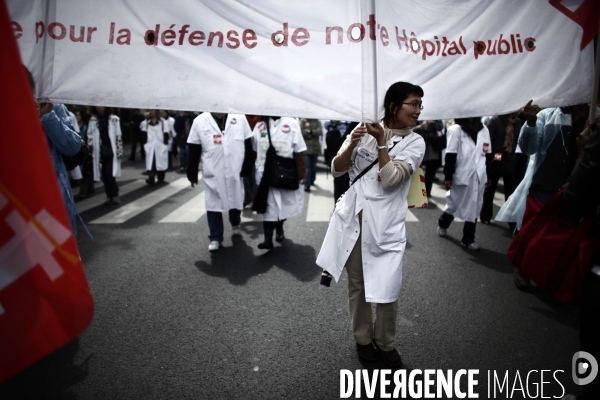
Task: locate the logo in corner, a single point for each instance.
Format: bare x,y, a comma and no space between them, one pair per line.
584,368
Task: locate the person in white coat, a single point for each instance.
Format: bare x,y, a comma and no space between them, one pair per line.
223,143
367,232
171,130
105,139
467,152
156,147
281,204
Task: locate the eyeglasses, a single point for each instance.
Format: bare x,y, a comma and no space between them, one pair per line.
416,106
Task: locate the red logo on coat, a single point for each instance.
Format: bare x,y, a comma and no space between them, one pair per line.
233,121
286,129
217,139
486,147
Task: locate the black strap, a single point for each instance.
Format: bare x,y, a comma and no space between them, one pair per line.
267,122
364,171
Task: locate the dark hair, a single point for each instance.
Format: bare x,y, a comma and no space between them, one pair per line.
85,117
107,110
396,94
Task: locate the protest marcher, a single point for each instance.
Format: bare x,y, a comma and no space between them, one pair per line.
104,137
581,199
334,138
277,204
504,135
435,141
62,139
550,138
182,126
367,233
86,186
311,132
224,146
172,148
157,151
468,144
137,136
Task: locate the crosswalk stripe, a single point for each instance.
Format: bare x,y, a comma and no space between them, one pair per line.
320,199
191,211
98,200
250,216
122,214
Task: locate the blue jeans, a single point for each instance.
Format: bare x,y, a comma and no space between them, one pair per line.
184,152
311,169
215,223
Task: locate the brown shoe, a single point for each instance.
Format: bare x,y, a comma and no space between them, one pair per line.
390,358
521,280
366,352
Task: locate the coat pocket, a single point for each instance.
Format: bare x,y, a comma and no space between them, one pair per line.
390,227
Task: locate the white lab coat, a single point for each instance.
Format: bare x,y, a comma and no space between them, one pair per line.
171,130
465,197
114,133
155,147
222,159
383,216
287,140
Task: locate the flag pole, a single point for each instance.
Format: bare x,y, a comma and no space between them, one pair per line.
596,81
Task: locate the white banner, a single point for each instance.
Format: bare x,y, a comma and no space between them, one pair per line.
322,59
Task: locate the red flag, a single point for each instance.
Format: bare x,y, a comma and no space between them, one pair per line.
45,301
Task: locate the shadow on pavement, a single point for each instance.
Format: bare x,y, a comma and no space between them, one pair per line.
238,264
486,258
49,378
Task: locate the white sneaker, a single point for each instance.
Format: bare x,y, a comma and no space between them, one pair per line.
441,232
471,246
236,231
214,246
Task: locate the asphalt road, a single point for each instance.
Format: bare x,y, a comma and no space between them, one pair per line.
173,321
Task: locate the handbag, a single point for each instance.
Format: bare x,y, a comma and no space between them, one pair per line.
553,253
283,170
78,159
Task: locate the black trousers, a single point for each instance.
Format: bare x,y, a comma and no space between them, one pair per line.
110,183
468,231
154,173
141,138
487,210
431,167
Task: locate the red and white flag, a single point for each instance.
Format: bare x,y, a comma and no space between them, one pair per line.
45,301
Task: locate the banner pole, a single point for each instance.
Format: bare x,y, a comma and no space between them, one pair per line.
596,81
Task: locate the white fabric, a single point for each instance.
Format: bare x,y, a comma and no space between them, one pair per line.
383,217
155,146
465,198
287,140
343,80
222,158
114,133
170,125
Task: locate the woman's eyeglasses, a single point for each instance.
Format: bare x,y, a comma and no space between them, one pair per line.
416,106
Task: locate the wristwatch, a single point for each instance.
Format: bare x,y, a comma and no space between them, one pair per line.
382,147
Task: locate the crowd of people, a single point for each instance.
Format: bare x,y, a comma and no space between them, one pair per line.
271,160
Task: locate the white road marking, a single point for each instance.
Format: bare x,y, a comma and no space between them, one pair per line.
123,214
320,199
191,211
98,200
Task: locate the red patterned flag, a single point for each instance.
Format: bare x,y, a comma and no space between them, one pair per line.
45,300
